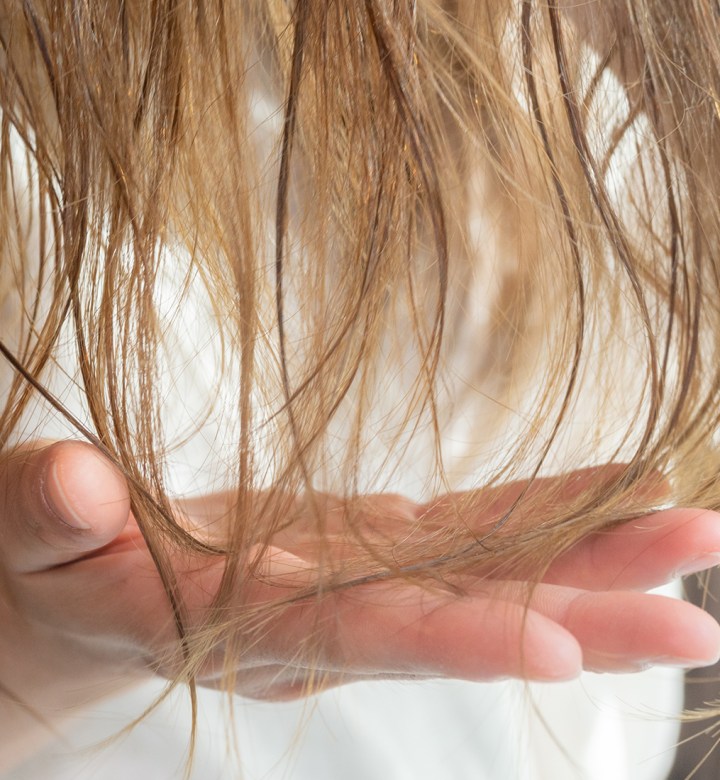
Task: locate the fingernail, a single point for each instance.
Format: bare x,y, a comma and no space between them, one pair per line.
700,563
60,503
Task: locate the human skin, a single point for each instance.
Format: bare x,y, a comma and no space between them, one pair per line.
84,612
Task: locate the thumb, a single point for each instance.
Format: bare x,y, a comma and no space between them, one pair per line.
58,503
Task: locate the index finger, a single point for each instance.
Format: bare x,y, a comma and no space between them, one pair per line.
517,506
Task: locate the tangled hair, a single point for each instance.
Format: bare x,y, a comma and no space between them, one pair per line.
405,219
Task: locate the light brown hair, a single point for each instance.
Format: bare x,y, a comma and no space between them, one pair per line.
336,238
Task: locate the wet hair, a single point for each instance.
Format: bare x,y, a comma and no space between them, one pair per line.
481,237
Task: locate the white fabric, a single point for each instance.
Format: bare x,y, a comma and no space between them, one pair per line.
610,728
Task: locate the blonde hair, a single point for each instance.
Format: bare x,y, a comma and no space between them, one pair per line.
346,257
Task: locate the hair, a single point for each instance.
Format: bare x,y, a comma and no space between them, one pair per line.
402,220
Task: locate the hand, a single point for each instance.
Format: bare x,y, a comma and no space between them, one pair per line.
84,611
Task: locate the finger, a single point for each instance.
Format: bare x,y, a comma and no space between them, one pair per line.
415,632
396,628
643,553
58,503
484,510
624,630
